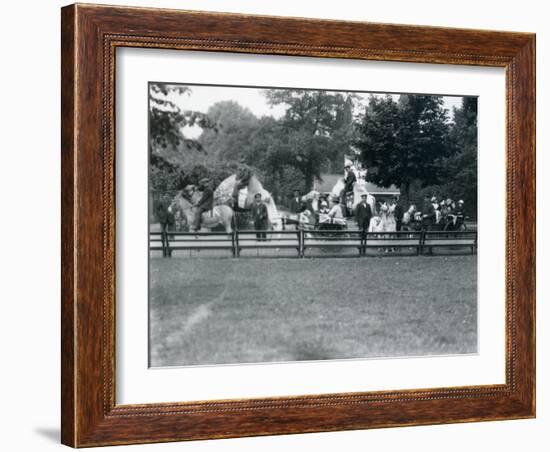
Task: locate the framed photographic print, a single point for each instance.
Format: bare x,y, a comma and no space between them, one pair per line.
280,225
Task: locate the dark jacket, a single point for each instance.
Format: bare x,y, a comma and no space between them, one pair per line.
349,181
259,213
363,214
428,213
296,205
309,206
162,213
207,200
398,212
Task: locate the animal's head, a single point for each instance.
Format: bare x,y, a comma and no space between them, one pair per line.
180,202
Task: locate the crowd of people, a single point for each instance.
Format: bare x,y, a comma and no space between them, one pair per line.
385,216
437,214
331,211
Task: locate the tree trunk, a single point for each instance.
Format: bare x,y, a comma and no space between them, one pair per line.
309,177
407,190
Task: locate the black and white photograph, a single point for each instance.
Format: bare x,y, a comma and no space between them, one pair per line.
246,226
294,224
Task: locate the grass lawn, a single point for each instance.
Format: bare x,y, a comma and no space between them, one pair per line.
220,311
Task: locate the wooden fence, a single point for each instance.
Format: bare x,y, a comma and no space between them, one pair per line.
302,241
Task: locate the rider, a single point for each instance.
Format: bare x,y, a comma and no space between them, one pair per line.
349,180
242,178
204,204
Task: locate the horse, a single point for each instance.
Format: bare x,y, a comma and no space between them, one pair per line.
359,188
218,216
245,189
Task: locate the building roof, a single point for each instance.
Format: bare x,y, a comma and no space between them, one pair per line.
329,181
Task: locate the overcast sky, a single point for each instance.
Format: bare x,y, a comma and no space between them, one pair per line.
201,98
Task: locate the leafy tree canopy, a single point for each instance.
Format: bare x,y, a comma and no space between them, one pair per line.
404,141
167,119
315,128
234,127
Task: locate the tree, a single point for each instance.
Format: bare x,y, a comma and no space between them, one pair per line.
461,166
309,135
166,119
404,141
169,149
234,126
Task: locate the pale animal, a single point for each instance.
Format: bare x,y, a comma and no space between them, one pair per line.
224,195
218,216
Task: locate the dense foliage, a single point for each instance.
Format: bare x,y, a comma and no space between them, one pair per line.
410,141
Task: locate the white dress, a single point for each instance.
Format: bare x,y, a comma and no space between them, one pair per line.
391,225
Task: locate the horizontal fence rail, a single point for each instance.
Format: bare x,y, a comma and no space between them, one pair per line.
303,241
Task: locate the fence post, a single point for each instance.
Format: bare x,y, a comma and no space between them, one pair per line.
237,251
233,232
421,242
301,248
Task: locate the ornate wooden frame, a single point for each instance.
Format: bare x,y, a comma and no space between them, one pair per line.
90,35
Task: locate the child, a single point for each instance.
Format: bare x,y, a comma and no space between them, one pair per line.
259,214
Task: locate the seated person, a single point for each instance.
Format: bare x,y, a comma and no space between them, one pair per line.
336,212
204,204
324,207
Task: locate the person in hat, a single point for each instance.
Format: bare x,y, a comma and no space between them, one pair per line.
437,212
398,212
459,215
350,178
428,214
296,203
363,213
261,218
349,182
336,211
204,204
242,179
